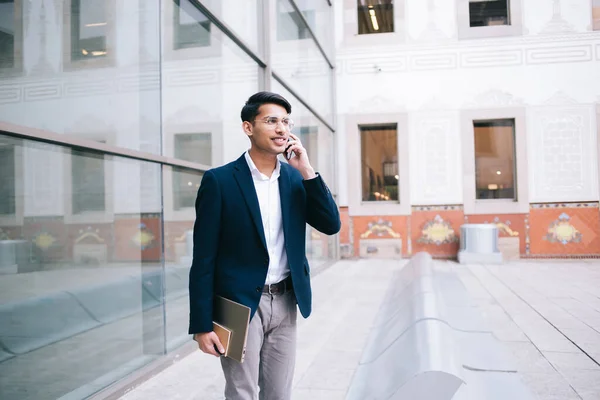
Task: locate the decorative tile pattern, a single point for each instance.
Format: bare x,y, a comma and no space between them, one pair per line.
438,208
144,238
380,228
376,228
89,235
562,231
437,232
564,205
138,239
565,231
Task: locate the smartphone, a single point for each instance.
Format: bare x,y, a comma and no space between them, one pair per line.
289,154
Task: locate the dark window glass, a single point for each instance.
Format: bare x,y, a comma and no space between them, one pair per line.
489,12
379,162
495,159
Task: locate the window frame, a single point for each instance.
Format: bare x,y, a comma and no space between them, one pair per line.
355,203
111,43
365,128
466,31
514,138
472,205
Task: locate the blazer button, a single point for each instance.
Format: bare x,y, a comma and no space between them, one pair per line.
267,260
258,289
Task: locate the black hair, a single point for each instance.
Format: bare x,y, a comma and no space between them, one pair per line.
250,109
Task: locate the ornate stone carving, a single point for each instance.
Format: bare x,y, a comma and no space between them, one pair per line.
494,98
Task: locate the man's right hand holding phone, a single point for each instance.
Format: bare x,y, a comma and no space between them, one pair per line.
209,343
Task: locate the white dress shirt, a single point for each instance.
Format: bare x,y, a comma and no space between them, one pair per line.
267,191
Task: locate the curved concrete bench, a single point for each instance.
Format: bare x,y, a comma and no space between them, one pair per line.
429,341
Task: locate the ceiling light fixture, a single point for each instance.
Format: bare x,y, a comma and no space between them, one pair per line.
374,20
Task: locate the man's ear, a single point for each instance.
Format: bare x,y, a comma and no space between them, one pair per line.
247,127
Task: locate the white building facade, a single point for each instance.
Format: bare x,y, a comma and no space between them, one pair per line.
484,111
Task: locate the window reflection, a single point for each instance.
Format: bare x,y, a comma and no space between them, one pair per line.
194,147
88,183
7,179
379,162
290,25
89,27
93,285
7,34
192,27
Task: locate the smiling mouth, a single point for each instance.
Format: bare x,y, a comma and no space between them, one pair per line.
280,141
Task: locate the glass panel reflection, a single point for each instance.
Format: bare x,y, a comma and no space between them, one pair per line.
80,293
192,28
318,141
298,60
179,200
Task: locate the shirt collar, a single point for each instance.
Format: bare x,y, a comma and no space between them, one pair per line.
259,175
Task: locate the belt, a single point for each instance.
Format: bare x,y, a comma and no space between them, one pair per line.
280,287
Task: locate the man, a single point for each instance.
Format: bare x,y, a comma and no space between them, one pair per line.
249,246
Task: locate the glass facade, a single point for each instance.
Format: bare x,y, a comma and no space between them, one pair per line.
110,112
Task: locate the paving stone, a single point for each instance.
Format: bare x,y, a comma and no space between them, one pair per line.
571,361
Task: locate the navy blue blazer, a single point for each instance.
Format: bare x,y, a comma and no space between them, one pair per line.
230,252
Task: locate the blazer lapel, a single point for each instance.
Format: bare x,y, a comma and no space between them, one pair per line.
285,195
244,179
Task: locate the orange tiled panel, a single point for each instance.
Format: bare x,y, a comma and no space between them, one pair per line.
436,230
379,227
509,225
345,230
138,239
564,229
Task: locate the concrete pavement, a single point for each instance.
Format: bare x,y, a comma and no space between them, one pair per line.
545,313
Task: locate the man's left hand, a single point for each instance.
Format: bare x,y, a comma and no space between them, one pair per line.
300,159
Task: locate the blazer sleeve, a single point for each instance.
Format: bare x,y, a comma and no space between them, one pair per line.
206,242
321,211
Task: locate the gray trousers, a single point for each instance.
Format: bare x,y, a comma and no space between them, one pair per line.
270,353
